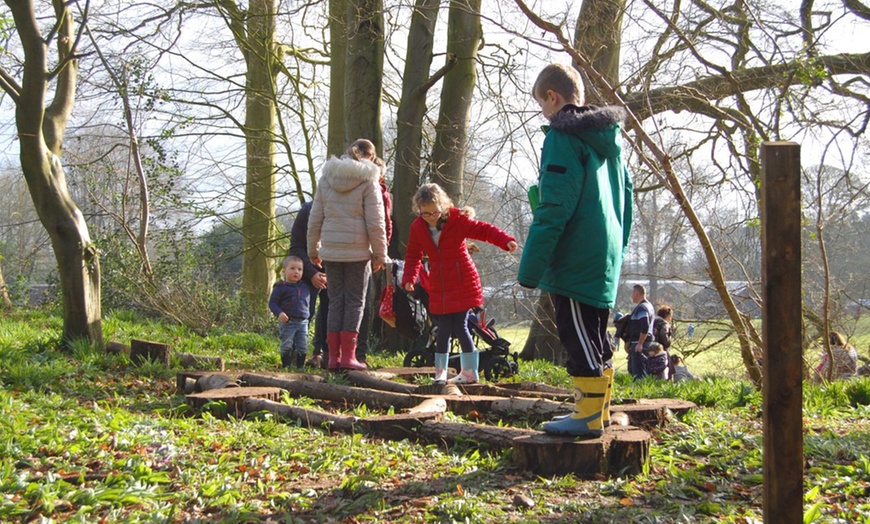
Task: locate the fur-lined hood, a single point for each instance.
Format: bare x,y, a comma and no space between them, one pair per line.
597,126
344,174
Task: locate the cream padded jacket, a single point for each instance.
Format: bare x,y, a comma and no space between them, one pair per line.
347,222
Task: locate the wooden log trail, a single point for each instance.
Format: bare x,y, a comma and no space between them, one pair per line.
622,450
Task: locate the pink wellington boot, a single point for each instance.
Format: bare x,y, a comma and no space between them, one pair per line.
348,352
333,343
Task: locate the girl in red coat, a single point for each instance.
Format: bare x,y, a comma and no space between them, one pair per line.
439,232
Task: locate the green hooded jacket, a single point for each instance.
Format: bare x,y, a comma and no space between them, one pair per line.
583,219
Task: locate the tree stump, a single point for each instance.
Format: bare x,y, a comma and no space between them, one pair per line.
143,350
233,397
548,455
649,413
629,452
620,451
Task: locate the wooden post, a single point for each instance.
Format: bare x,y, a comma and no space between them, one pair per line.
781,331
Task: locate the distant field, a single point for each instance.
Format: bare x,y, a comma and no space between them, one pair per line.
723,359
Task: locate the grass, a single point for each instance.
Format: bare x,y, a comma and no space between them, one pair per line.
85,437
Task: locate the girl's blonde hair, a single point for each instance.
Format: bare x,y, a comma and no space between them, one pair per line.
434,194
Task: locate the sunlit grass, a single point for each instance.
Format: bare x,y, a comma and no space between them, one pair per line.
86,437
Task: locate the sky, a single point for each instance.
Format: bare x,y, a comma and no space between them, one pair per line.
507,114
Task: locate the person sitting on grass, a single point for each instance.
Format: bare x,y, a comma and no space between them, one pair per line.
655,362
679,371
845,359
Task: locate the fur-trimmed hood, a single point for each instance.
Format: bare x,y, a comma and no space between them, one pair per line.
597,126
344,174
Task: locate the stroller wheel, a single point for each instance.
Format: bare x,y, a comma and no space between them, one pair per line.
418,358
500,367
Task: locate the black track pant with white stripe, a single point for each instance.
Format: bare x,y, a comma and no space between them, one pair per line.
583,332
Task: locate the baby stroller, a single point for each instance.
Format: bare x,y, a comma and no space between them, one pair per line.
496,360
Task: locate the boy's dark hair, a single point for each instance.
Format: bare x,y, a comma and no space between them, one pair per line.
640,288
562,79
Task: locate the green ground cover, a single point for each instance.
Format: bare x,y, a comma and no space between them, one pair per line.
85,437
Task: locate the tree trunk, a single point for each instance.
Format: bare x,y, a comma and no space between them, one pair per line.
543,341
40,133
337,56
364,72
409,121
598,36
258,223
464,34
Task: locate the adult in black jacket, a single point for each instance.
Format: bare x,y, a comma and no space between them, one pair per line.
315,275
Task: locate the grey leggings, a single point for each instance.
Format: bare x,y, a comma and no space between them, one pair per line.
348,283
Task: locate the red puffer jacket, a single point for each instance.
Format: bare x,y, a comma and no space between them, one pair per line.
454,284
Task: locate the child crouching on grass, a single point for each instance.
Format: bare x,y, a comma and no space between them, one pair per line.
439,232
289,302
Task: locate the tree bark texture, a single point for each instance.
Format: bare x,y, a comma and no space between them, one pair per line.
258,222
409,117
543,341
364,71
598,35
464,34
335,141
40,135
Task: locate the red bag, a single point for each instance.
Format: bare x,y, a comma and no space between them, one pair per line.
385,311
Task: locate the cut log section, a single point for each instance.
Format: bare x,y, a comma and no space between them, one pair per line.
619,452
390,427
184,380
504,390
336,392
215,381
233,397
143,350
448,433
379,381
409,373
310,418
650,413
430,405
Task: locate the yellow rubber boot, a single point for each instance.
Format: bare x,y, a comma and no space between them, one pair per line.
605,411
589,393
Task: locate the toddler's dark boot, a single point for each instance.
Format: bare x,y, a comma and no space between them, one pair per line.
286,360
300,361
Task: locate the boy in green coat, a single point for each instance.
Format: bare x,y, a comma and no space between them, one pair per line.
580,231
